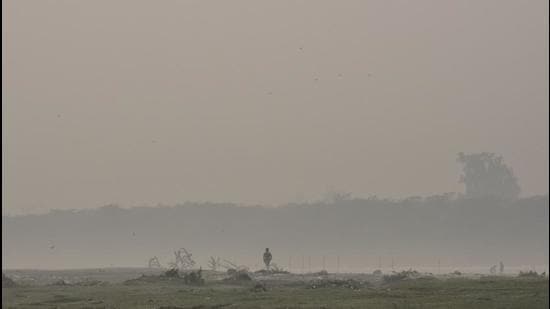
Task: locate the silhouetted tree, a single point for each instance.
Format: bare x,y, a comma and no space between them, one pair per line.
485,175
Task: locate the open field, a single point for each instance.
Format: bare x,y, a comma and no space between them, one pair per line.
104,288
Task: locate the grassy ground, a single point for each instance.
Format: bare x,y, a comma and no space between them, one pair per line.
289,291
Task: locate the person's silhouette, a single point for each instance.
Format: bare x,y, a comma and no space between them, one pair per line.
267,258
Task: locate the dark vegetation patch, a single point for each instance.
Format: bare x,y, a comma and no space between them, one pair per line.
193,277
338,283
91,282
241,275
7,282
172,273
60,299
259,287
404,275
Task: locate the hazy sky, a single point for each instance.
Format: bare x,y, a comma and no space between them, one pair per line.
146,102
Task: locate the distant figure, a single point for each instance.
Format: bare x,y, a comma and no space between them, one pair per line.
493,270
267,258
501,269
